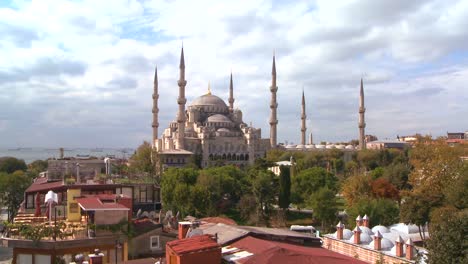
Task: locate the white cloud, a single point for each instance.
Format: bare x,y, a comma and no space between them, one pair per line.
91,63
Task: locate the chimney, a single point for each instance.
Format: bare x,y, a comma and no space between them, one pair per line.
409,249
357,235
359,220
378,241
183,229
339,230
399,246
365,221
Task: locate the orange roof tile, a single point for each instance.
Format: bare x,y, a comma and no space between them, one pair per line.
193,244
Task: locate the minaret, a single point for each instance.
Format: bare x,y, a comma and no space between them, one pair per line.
181,100
362,123
273,106
155,124
303,121
231,95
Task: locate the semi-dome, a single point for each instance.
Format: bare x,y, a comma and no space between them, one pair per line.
218,118
209,100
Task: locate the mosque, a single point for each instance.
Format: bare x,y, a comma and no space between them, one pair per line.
210,132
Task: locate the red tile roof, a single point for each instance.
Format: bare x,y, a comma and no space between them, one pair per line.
276,252
193,244
95,204
41,184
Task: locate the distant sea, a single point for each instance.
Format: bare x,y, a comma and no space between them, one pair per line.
31,154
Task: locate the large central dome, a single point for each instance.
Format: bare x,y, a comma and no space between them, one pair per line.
209,100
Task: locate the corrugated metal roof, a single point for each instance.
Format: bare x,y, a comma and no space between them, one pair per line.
193,244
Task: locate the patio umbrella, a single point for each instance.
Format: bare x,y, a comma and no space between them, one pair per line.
51,198
38,205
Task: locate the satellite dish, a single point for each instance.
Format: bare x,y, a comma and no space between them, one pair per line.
169,214
195,232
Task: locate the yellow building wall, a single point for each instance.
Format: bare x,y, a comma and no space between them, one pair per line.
73,209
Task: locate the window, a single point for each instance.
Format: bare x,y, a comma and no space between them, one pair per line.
154,243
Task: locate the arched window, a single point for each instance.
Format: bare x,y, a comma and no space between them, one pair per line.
246,156
211,157
229,156
224,156
241,157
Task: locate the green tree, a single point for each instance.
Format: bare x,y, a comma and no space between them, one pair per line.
11,164
379,211
145,162
172,178
284,187
224,186
377,173
397,173
36,167
12,187
416,207
309,181
449,238
323,202
264,190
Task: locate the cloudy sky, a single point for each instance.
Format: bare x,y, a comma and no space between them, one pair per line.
79,73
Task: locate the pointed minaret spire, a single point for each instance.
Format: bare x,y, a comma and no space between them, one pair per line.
182,60
362,122
155,124
273,105
231,95
181,100
303,120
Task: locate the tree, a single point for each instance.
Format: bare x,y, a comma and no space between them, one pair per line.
323,202
435,165
377,173
382,188
145,161
264,191
36,167
284,187
12,187
356,187
416,207
379,211
172,178
448,241
311,180
11,164
397,173
223,185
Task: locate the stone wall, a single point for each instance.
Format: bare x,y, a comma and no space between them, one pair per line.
359,252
